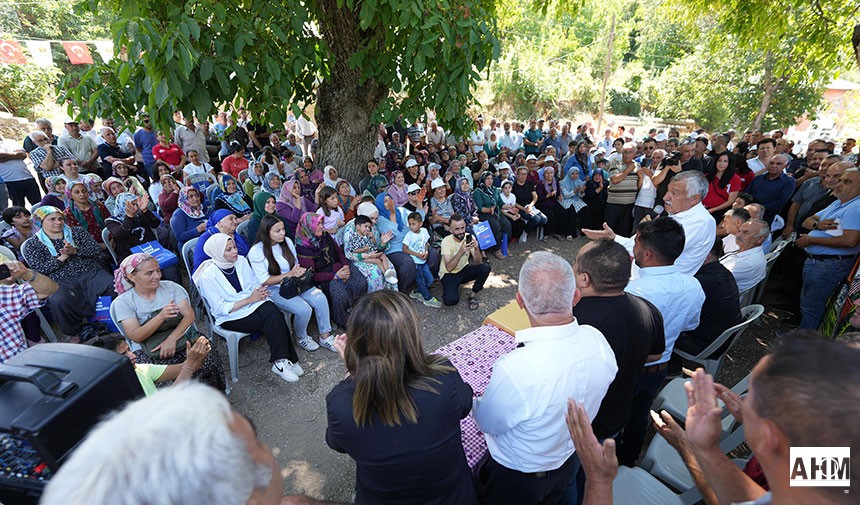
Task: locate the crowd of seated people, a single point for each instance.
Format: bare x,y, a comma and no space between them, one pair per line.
682,228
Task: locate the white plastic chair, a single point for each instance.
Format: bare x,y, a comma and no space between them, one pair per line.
712,366
231,337
106,240
188,261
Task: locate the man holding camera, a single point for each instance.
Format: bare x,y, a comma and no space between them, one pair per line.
455,269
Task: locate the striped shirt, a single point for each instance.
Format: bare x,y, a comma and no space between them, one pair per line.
624,192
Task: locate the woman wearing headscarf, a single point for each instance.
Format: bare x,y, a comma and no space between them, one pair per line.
123,172
374,240
397,189
464,203
112,187
577,212
264,205
157,314
72,259
314,174
189,220
238,302
333,274
272,184
94,184
547,202
254,182
394,219
133,224
489,201
85,212
309,188
292,204
221,221
579,160
231,198
168,199
595,198
56,192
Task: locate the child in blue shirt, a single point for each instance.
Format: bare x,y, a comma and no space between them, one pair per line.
416,244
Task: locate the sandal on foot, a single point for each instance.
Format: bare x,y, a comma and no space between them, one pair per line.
473,303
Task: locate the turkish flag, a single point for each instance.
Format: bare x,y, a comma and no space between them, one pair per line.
11,52
78,52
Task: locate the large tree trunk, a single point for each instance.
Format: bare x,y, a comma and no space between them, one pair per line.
855,42
344,106
770,88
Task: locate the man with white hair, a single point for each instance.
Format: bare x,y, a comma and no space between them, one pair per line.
45,127
683,202
219,461
747,264
46,157
521,413
111,150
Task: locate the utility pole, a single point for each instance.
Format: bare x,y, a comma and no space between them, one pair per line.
605,77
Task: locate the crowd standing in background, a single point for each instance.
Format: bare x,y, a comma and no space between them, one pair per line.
682,226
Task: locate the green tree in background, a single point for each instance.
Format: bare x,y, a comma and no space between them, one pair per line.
361,61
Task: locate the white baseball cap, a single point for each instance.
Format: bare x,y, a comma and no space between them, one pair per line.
413,187
411,163
531,157
548,158
503,164
437,183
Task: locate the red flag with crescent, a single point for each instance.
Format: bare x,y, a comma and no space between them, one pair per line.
78,52
11,52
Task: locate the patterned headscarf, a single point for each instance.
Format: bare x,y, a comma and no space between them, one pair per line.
51,184
79,216
267,186
122,200
121,281
193,213
94,184
234,200
305,233
108,183
39,215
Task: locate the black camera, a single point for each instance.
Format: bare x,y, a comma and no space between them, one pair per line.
673,159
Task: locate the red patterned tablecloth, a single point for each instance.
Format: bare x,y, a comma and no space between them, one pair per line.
473,355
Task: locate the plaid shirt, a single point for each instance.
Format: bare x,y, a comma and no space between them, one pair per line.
38,155
16,301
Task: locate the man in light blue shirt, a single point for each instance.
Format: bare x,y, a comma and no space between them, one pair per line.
831,247
678,297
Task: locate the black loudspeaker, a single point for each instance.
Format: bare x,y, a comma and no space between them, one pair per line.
51,395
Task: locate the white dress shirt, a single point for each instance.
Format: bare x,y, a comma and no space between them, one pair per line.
730,244
700,231
678,297
221,296
756,165
511,140
522,410
748,267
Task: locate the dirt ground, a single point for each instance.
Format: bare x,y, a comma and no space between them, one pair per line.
292,417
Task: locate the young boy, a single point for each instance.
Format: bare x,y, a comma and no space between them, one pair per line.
362,248
415,243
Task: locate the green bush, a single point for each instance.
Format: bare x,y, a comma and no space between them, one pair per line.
23,88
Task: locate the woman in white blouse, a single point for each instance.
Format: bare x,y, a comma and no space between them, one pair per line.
239,303
273,260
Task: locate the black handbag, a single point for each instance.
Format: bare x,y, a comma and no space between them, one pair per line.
292,287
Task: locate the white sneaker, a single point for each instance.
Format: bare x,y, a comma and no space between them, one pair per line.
297,369
307,344
391,276
283,369
328,343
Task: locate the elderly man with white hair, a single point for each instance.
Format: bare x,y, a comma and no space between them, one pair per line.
747,264
218,461
683,202
46,157
111,151
521,413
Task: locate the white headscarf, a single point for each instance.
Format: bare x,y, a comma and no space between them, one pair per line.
214,248
367,209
